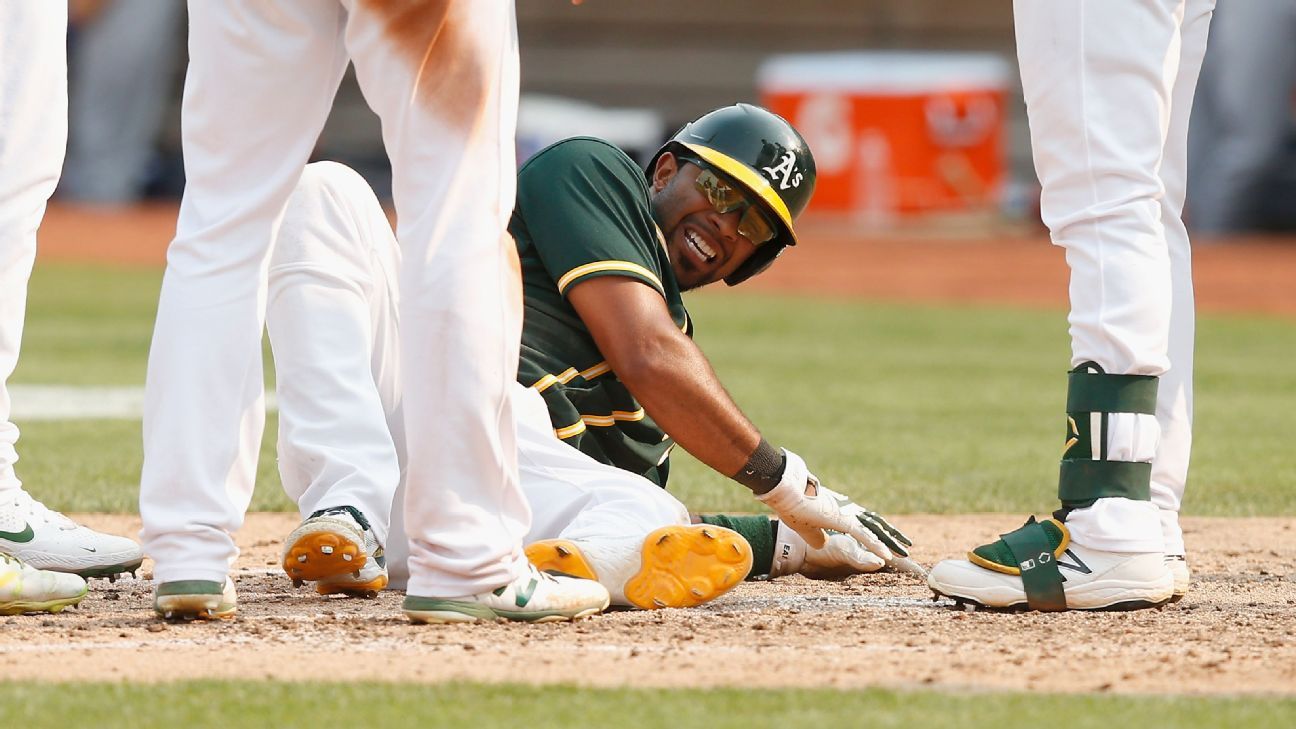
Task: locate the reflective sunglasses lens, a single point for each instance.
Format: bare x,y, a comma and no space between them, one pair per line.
721,196
754,227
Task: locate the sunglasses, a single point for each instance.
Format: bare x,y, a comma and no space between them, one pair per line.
726,198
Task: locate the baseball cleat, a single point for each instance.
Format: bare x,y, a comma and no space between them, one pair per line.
25,589
1038,567
535,597
1178,566
195,600
675,566
337,549
47,540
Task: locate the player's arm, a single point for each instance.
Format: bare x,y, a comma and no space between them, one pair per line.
664,370
667,373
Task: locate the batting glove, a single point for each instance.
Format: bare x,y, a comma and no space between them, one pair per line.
840,557
809,509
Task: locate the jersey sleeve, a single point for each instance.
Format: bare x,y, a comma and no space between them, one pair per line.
585,207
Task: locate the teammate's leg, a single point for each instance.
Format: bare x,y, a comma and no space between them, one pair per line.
33,131
1099,86
260,83
443,77
1175,394
331,316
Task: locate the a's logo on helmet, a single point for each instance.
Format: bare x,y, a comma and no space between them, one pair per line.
785,173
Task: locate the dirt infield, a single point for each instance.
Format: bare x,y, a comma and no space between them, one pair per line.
1232,634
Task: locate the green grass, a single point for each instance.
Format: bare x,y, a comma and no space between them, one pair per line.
906,407
275,704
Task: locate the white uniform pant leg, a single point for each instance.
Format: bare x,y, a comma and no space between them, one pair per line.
443,77
33,133
1175,392
1099,81
331,315
260,83
572,496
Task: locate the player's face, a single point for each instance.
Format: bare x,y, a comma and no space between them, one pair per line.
704,245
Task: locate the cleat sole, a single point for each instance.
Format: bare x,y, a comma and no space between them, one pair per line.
320,555
686,566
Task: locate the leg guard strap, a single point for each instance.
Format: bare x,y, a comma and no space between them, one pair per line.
1082,482
1086,475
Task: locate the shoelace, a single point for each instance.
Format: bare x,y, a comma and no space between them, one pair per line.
26,504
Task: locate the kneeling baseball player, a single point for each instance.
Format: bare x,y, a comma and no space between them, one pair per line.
609,379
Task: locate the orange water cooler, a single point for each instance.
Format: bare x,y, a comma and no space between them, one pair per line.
896,135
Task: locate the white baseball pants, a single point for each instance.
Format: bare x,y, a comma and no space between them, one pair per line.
33,135
332,316
1109,87
443,77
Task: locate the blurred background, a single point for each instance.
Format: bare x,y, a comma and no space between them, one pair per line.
912,106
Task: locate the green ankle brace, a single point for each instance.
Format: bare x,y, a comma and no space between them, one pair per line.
759,532
1086,475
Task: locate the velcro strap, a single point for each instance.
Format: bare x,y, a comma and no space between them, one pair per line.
1081,482
1089,392
1033,552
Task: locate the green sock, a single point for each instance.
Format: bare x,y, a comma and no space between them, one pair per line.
759,532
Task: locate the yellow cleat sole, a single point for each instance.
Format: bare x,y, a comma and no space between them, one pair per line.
368,590
22,607
680,566
320,555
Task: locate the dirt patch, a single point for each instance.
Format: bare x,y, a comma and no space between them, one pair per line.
1232,634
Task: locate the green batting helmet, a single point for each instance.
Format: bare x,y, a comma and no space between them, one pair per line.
760,152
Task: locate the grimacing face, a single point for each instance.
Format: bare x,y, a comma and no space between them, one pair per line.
704,246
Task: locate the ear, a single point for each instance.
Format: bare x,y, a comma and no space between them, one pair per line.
665,171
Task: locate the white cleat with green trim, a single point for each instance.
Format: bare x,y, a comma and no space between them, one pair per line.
1038,567
48,540
535,597
25,589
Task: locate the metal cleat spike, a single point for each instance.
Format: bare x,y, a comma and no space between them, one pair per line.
326,549
346,557
562,551
657,601
112,578
708,534
663,539
696,592
301,558
297,582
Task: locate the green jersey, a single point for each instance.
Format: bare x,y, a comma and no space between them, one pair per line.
583,211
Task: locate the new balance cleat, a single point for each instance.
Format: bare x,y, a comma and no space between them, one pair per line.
1038,567
1178,566
675,566
337,549
47,540
25,589
195,600
535,597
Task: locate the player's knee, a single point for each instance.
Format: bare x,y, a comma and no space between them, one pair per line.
334,177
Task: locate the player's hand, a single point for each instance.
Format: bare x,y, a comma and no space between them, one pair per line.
841,557
809,509
895,539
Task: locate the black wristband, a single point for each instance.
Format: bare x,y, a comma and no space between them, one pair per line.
764,468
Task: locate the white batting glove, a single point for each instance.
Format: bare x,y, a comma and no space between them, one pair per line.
808,509
840,557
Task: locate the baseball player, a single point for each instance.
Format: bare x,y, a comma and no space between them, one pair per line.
586,214
33,131
443,78
1109,87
